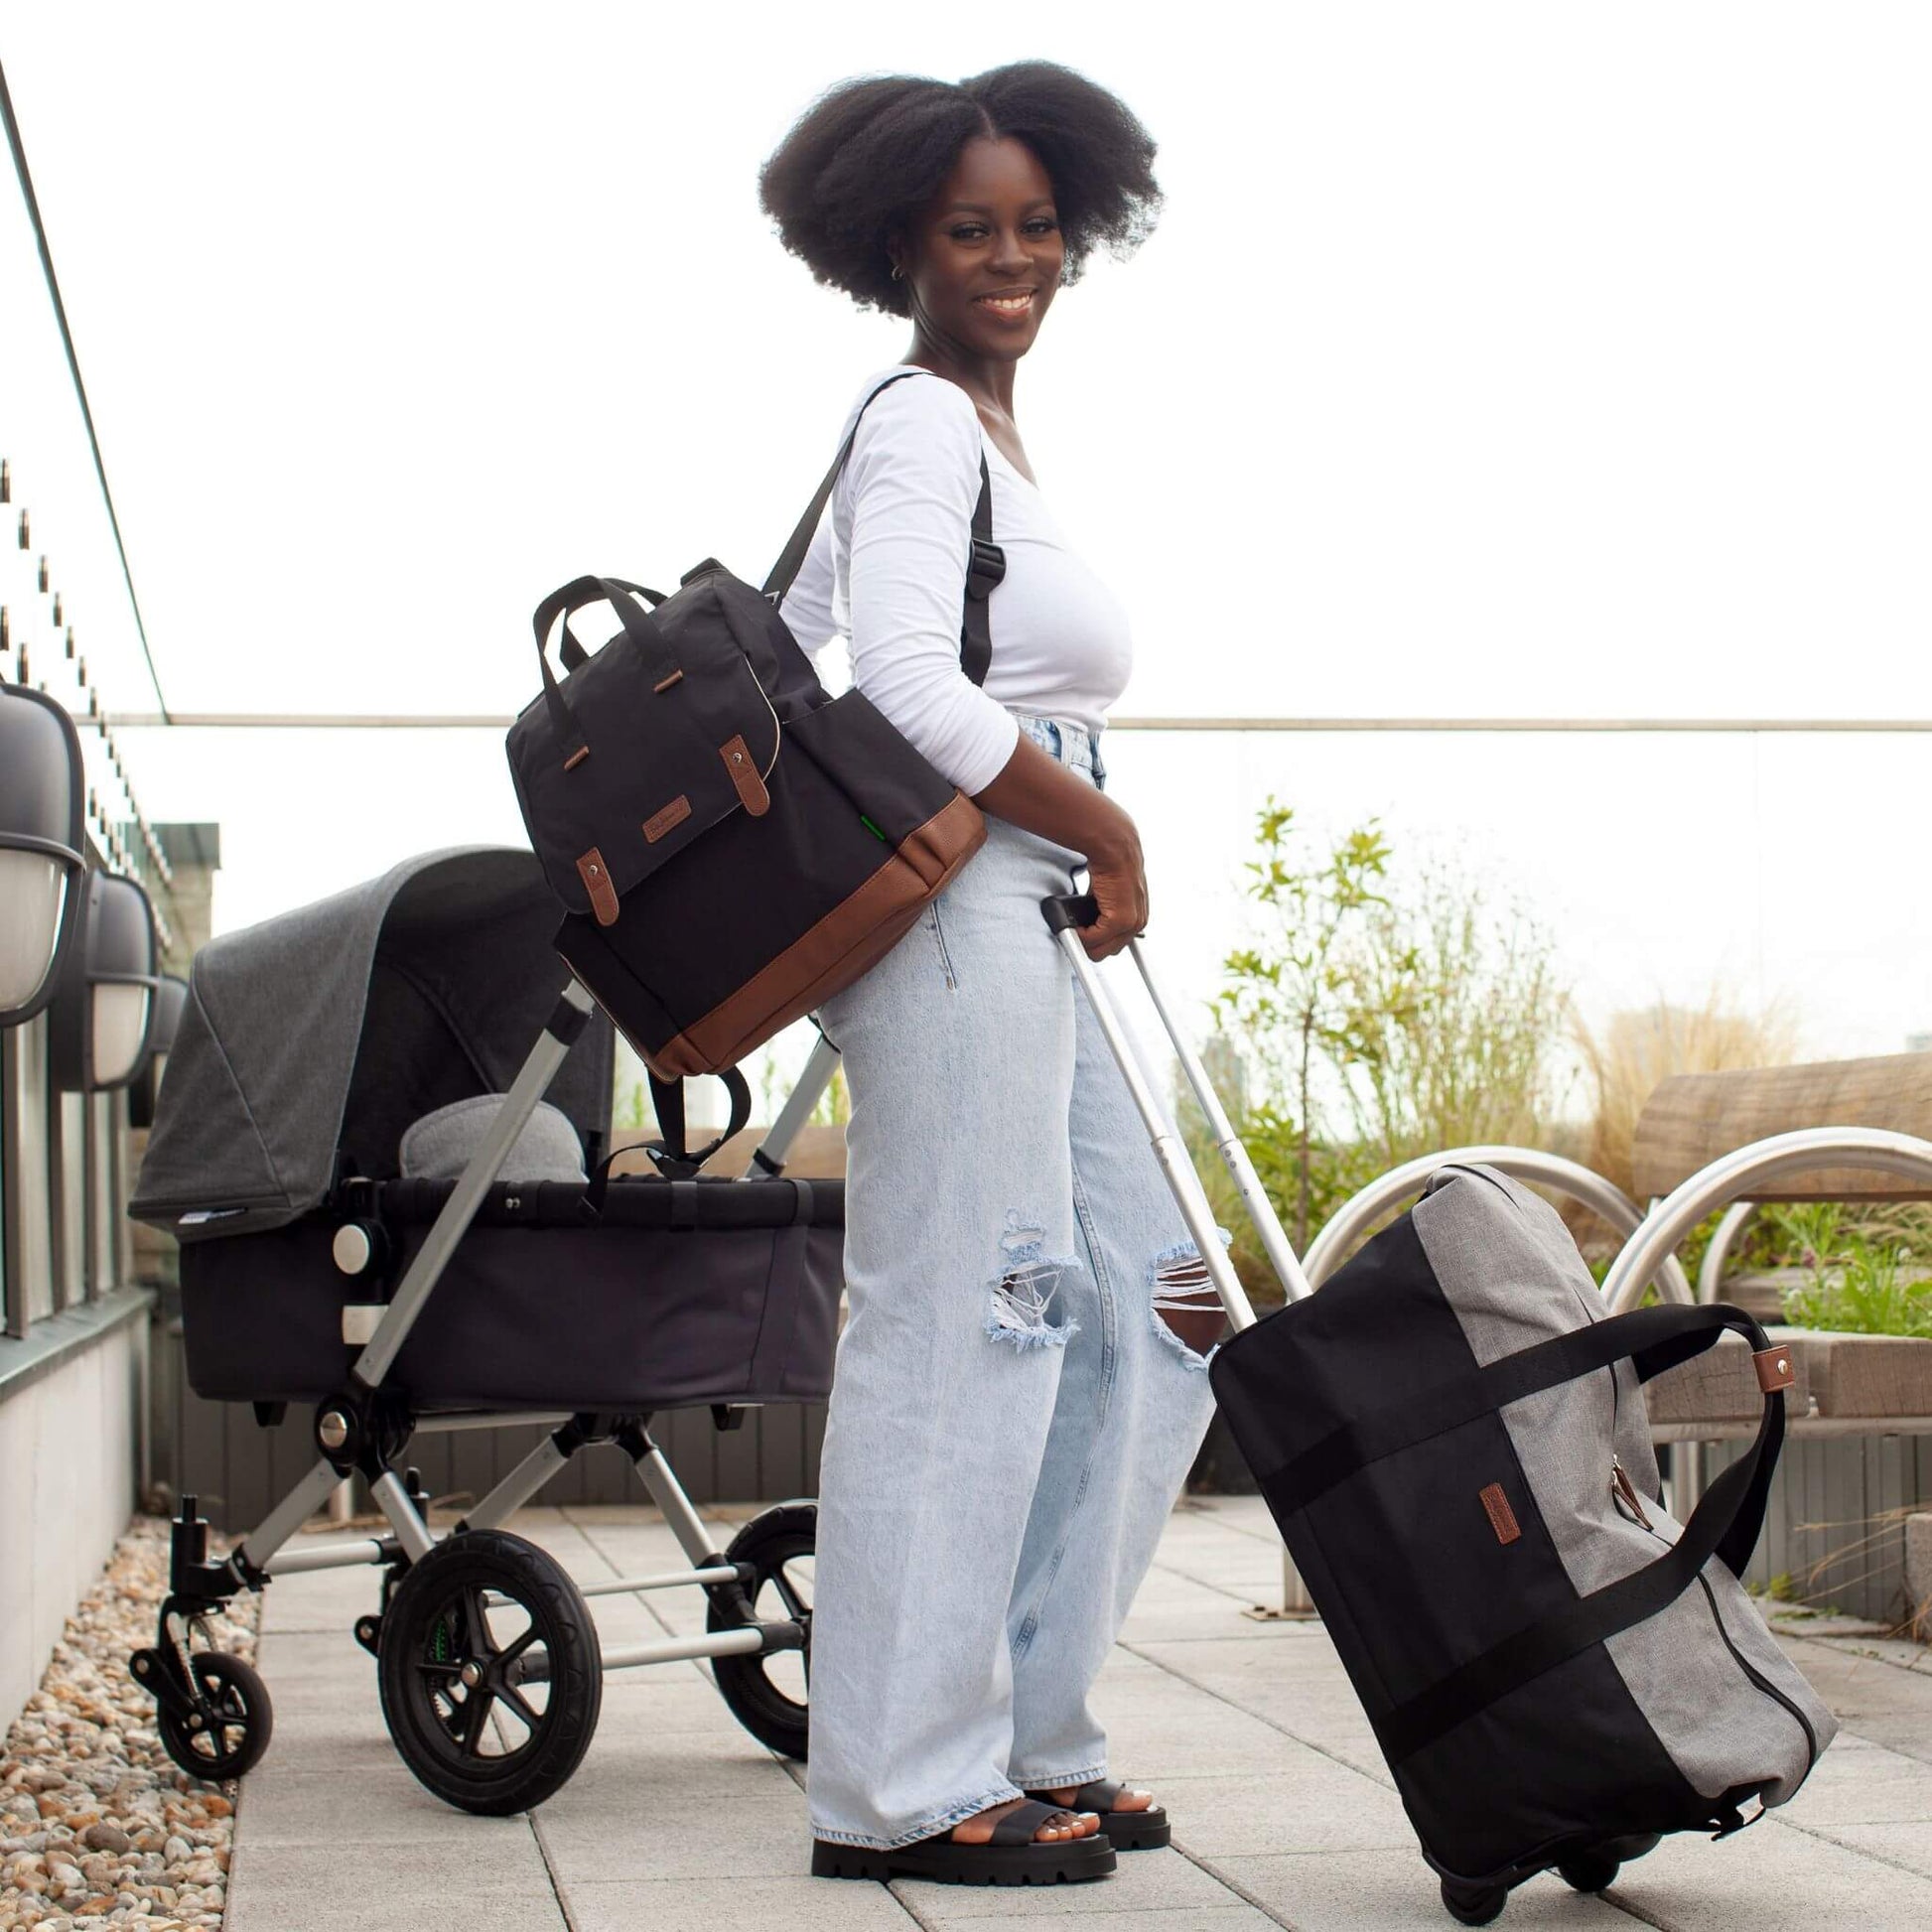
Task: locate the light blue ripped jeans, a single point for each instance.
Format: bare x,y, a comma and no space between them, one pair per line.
1010,1420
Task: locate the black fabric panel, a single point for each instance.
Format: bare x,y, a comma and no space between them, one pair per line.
710,920
527,1318
1378,1333
1429,1582
1568,1761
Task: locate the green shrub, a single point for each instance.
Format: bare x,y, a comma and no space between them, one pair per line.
1867,1274
1374,1018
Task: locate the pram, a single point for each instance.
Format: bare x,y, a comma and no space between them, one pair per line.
313,1271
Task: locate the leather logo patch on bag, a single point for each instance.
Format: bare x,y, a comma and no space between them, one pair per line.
744,768
1502,1519
675,813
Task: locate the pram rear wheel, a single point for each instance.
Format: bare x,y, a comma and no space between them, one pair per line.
228,1739
490,1671
1473,1905
768,1694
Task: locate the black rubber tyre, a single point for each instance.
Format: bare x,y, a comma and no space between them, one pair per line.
763,1691
1589,1870
1473,1905
491,1674
245,1720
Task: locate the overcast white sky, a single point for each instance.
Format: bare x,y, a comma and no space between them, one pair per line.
1528,359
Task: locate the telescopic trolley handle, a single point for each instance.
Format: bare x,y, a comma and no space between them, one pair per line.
1064,918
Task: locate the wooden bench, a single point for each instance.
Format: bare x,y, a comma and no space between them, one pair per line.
1848,1384
1858,1399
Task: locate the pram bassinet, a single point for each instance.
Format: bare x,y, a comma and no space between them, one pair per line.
310,1043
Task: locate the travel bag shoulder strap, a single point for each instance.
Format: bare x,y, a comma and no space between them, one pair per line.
987,567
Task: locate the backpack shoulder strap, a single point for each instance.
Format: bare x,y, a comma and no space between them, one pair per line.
987,567
792,558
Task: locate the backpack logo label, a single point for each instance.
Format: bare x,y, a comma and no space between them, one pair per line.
1502,1519
675,813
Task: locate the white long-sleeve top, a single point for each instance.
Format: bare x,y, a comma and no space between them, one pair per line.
887,570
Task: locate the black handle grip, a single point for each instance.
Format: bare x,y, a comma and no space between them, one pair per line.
1076,910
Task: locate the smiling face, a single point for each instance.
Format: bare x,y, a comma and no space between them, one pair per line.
983,258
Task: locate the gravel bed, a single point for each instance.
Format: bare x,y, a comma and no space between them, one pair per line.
97,1825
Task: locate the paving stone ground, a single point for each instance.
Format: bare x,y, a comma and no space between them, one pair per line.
1284,1815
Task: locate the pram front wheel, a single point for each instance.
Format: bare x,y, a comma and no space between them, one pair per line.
226,1736
766,1693
490,1671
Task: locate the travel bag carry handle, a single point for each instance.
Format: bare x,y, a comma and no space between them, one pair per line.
621,594
1654,1340
1064,915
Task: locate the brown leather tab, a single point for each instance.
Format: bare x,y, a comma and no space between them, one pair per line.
744,768
1502,1519
1774,1369
577,757
596,876
675,813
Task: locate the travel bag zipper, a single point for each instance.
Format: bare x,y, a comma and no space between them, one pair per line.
1623,1491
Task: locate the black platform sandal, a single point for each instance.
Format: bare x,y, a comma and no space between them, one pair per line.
1010,1857
1125,1830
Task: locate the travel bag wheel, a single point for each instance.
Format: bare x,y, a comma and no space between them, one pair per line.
1589,1870
228,1736
766,1691
1473,1905
490,1671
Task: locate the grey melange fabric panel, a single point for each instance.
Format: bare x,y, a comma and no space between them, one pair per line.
1511,1272
252,1105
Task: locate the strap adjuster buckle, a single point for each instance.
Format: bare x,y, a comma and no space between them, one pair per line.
987,568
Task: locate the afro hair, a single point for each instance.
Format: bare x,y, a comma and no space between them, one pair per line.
865,157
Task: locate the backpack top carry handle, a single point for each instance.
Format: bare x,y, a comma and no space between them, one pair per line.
573,597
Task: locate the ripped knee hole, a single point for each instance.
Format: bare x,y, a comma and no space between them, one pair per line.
1186,1302
1021,1295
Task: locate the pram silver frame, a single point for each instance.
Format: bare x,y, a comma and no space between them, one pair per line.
351,1435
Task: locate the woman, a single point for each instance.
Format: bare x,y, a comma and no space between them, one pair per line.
1018,1391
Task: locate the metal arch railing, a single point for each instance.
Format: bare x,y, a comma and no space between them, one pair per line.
1570,1179
1710,1270
1735,1177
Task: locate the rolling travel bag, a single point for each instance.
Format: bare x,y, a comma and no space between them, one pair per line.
1452,1439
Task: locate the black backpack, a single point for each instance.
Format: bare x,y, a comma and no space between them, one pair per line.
731,844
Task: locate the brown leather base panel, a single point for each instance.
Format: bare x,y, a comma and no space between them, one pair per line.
847,942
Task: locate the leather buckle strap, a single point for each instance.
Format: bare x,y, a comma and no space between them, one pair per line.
1774,1369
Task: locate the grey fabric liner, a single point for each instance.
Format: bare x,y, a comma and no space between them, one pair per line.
1514,1278
341,1021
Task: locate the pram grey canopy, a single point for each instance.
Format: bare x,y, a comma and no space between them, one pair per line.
340,1023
